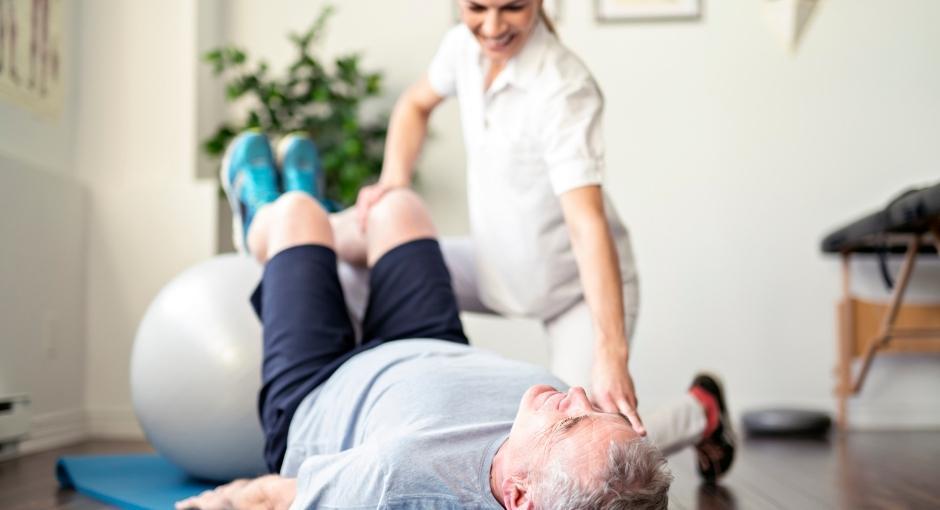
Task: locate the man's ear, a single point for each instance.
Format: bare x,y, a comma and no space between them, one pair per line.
516,494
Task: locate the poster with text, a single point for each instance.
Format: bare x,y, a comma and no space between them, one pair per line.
31,50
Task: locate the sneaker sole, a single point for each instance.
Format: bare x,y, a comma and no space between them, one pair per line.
728,433
281,150
721,388
238,234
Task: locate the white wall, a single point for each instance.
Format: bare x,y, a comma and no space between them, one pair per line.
42,259
136,147
101,208
731,159
728,158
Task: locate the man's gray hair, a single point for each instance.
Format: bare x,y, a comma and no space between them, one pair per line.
634,477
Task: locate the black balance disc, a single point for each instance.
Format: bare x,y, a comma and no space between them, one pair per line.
786,423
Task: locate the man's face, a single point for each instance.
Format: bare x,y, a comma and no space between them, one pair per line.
551,425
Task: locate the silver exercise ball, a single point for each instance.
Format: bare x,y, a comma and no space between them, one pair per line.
196,370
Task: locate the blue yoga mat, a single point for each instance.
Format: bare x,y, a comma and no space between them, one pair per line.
134,482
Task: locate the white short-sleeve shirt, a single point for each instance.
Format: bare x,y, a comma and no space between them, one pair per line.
532,136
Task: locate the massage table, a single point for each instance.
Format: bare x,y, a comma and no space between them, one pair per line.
908,225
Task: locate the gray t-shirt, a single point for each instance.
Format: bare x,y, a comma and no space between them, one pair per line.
411,424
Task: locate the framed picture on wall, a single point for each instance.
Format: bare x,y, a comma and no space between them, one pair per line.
32,53
647,10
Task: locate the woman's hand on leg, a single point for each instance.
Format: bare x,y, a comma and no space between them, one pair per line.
368,196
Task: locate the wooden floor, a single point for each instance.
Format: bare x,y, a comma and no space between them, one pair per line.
858,470
861,470
29,482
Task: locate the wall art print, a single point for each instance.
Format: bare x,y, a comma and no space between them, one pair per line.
31,50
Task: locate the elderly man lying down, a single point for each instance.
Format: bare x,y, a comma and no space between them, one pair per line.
414,417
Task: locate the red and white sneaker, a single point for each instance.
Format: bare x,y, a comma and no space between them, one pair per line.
715,452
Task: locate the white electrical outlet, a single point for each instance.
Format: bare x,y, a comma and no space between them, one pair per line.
14,422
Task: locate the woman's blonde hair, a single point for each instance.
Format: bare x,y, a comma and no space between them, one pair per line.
548,21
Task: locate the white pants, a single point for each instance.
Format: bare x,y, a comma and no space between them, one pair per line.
570,336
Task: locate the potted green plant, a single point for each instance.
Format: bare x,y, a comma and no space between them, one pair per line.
320,100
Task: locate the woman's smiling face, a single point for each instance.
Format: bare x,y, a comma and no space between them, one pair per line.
502,27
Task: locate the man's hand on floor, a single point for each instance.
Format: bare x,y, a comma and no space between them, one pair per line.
267,492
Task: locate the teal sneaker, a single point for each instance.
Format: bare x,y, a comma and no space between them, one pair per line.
299,162
249,177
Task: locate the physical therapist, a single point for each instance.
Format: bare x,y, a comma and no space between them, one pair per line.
545,242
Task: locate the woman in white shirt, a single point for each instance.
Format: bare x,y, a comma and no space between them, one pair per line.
545,242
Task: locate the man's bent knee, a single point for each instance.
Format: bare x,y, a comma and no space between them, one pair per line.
398,207
397,218
297,206
297,219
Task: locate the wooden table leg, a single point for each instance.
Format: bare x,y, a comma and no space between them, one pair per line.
887,324
846,338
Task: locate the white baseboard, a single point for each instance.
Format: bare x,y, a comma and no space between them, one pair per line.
66,427
55,429
910,415
113,423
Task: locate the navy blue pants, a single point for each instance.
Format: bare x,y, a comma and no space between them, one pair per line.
307,331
